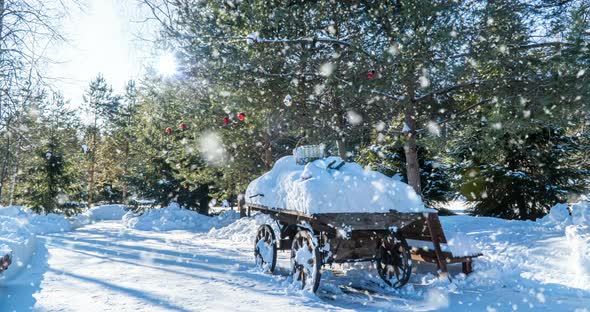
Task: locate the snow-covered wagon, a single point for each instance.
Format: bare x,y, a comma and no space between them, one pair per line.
330,211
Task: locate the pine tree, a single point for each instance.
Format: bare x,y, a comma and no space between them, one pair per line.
517,154
101,105
168,129
50,179
536,170
387,156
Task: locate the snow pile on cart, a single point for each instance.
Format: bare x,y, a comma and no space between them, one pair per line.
330,185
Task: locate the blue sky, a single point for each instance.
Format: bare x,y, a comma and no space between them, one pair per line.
102,37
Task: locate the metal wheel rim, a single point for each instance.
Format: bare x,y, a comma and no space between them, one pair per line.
300,272
394,263
265,234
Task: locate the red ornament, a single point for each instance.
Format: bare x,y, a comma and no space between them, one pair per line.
225,120
182,126
371,74
168,130
241,116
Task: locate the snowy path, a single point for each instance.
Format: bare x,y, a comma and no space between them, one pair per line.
107,267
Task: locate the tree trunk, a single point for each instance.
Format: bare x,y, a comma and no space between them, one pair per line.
5,164
411,150
267,151
341,141
17,164
341,144
242,205
124,195
204,200
409,132
92,166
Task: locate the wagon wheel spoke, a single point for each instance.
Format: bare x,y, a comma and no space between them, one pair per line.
305,263
265,249
396,271
394,260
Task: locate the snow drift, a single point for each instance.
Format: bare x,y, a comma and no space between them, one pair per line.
319,188
175,217
100,213
575,221
18,229
244,229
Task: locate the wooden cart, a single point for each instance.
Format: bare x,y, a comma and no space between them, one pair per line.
315,240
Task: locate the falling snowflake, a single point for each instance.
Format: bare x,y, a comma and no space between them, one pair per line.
433,128
326,69
424,82
354,118
288,100
211,147
380,126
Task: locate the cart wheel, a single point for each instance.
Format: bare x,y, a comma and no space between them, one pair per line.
265,249
394,262
306,261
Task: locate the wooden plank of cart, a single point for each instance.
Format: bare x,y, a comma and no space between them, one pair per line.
318,239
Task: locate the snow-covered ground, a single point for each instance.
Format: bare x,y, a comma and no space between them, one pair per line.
18,230
112,266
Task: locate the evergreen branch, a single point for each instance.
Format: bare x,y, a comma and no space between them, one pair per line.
302,40
312,40
556,44
387,95
460,113
446,90
466,110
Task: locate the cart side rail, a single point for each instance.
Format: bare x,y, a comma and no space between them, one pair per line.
413,226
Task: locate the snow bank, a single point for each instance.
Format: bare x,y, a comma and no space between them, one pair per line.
18,229
563,215
11,211
107,212
243,230
460,244
576,223
176,218
100,213
558,216
316,188
16,238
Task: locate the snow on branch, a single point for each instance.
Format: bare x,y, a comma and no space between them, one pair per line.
460,113
446,90
556,44
390,96
256,39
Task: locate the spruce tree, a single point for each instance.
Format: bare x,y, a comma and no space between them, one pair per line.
101,106
51,177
